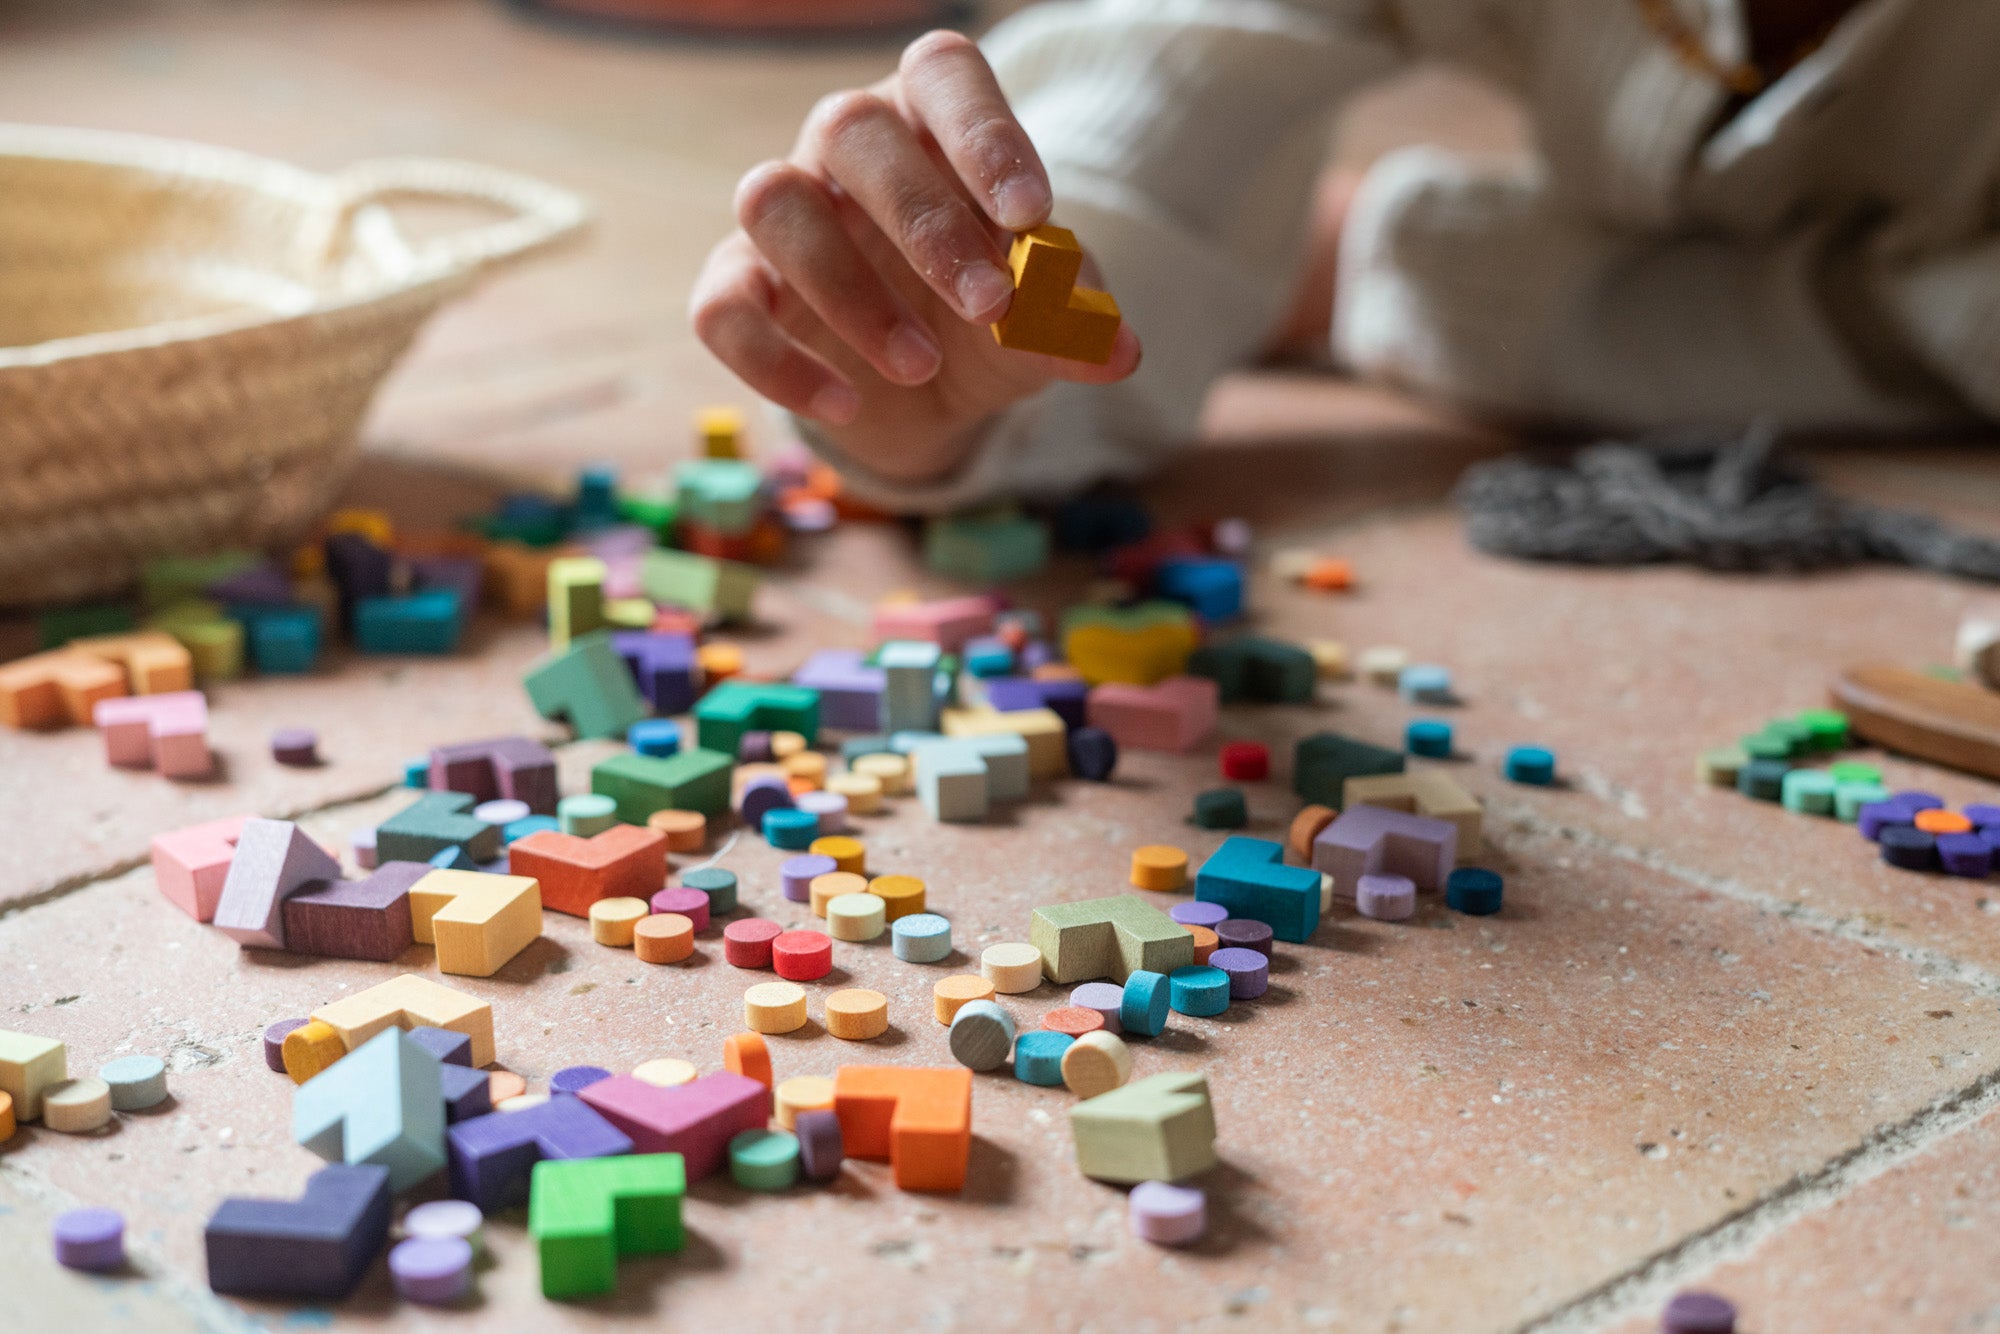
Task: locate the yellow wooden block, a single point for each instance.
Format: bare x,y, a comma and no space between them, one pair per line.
721,432
1050,313
375,525
901,895
1423,792
892,772
786,744
575,598
477,921
863,792
857,1014
824,889
774,1007
1096,1063
154,662
666,1072
1330,659
1042,729
848,854
808,765
77,1106
29,1064
1012,967
57,688
409,1002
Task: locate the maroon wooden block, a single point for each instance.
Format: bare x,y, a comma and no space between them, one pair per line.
356,919
508,766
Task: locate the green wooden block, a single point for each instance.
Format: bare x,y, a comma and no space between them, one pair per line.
724,714
1157,1129
589,684
1721,765
1260,670
59,626
657,512
213,640
576,598
693,780
1826,729
434,822
170,579
724,494
1322,764
1110,937
586,1212
987,548
721,588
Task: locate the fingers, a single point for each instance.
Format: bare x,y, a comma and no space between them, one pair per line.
865,147
733,309
950,90
793,221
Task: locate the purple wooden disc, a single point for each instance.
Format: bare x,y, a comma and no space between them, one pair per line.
798,873
1167,1215
433,1271
1249,972
1386,898
1965,854
1909,847
1698,1313
1876,816
820,1150
768,793
754,748
274,1042
689,903
90,1239
363,843
830,807
295,746
1981,816
575,1079
1107,998
1916,799
446,1219
1196,913
1244,934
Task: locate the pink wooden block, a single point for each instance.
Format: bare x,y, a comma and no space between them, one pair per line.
948,623
166,732
1177,714
1372,840
190,865
695,1119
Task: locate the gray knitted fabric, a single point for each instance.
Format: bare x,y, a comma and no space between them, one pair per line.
1726,506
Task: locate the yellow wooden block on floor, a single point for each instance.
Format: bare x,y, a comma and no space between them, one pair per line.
1050,313
408,1002
477,921
29,1065
721,432
1423,792
1042,729
154,662
774,1007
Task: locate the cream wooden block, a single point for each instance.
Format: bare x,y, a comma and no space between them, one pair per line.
408,1002
801,1093
824,889
477,921
774,1007
1330,659
666,1072
1161,1128
861,916
863,792
1423,792
891,771
1383,664
1012,967
808,765
30,1063
77,1106
1096,1063
857,1014
784,745
612,921
1042,729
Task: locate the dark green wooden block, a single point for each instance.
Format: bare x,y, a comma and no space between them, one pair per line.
1256,669
694,780
1322,764
437,821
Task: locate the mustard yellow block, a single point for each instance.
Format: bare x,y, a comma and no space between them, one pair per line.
477,921
1050,313
409,1002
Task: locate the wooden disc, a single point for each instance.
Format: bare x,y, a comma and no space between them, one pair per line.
857,1014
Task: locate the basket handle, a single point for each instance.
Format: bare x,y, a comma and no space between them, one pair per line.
542,214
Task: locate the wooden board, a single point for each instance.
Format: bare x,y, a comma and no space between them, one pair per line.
1947,722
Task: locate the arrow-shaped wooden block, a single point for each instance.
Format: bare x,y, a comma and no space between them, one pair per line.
1050,313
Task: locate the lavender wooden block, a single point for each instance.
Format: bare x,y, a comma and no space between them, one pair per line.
355,919
850,691
662,665
450,1047
317,1246
1965,854
512,767
493,1156
820,1144
274,860
467,1092
1366,840
463,575
1067,700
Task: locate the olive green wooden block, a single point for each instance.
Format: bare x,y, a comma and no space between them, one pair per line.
1157,1129
1111,937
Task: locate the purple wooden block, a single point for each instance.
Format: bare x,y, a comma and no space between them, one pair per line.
493,1155
1194,912
1981,815
1916,799
695,1119
754,747
762,795
262,585
507,766
359,569
1698,1313
820,1149
432,1271
274,860
1037,653
318,1245
1965,854
796,875
1249,971
689,903
450,1047
574,1079
621,539
463,575
467,1092
92,1239
274,1042
1165,1214
1367,840
362,841
662,665
1067,700
1107,998
1385,898
1243,933
850,691
1909,847
1013,694
1876,816
356,919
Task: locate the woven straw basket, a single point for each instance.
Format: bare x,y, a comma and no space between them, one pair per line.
189,337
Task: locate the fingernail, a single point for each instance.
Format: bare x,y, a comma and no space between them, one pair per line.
1022,201
980,288
912,354
837,403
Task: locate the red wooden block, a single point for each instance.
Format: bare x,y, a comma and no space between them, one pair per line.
948,623
802,956
1246,761
1175,715
623,861
747,943
695,1119
190,865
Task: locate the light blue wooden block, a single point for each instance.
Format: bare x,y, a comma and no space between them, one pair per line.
382,1103
1006,756
951,780
909,694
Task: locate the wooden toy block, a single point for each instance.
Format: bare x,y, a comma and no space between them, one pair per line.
493,1156
721,432
725,495
1109,937
406,1002
909,692
850,690
695,1120
355,919
383,1103
1141,645
1212,587
723,589
56,689
990,548
588,684
1305,828
1013,967
1175,715
191,865
982,1035
1371,840
1096,1063
1258,670
1425,792
576,598
624,861
212,639
282,640
664,666
951,780
1050,313
431,824
153,661
309,1049
57,626
477,921
517,576
735,707
274,860
164,732
1159,867
512,768
1322,764
950,623
1161,1128
917,1118
695,780
1249,878
316,1247
586,1212
429,621
1042,729
29,1066
1007,763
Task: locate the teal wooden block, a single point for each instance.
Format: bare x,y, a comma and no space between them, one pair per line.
988,548
1248,876
1322,764
589,684
381,1104
724,494
1161,1128
435,822
1850,797
584,1213
282,640
724,589
430,621
725,713
910,669
694,780
1258,670
1809,792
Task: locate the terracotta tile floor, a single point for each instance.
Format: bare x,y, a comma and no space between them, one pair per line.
1706,1043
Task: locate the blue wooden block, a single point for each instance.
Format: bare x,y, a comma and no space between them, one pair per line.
1199,990
425,622
316,1247
1212,588
987,656
1249,878
282,640
526,825
454,858
492,1156
655,737
789,828
1143,1009
1473,890
1428,737
1038,1057
1533,765
382,1103
1425,683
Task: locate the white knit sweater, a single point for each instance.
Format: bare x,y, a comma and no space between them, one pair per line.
1828,257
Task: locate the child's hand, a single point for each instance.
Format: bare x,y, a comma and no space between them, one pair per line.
869,264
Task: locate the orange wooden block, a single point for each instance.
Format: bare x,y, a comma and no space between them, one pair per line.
1205,942
685,831
1307,825
1050,313
1329,574
622,861
154,662
1943,822
56,689
664,937
746,1054
6,1117
504,1084
919,1119
1160,867
718,662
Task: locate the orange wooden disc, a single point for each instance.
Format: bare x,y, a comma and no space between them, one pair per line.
745,1054
504,1084
1205,942
719,661
1329,575
1074,1020
664,937
956,990
1307,826
686,831
1943,822
1160,867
